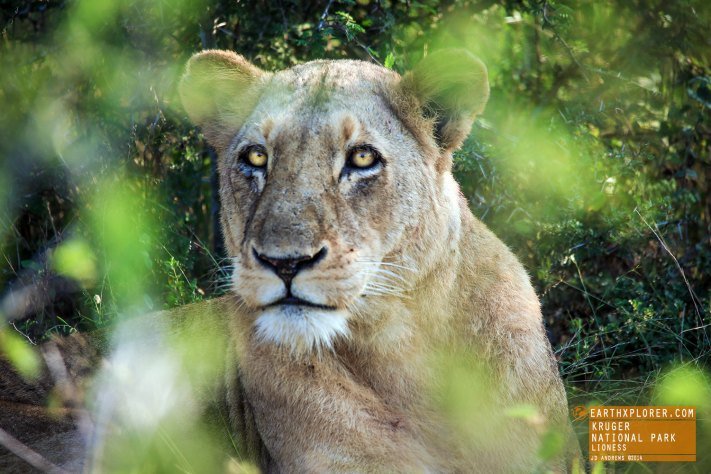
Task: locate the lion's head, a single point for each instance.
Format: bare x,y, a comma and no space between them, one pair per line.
335,180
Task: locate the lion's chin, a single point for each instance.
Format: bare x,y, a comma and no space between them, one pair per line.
301,328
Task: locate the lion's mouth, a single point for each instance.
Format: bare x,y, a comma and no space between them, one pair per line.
294,301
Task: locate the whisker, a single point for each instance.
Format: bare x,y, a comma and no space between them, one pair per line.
382,271
387,264
395,265
384,279
384,283
370,292
383,289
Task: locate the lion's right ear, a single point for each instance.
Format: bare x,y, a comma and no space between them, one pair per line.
452,88
219,90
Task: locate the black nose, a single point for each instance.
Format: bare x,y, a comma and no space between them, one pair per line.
287,267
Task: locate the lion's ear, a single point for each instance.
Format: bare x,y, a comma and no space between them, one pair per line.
452,86
219,90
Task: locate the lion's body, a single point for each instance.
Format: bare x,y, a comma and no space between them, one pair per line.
408,273
366,405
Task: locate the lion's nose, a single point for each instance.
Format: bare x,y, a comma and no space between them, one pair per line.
287,267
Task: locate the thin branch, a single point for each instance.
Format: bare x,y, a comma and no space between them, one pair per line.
696,328
694,298
28,455
567,47
66,388
324,15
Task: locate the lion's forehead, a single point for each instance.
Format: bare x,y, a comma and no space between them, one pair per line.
318,103
309,116
319,87
342,74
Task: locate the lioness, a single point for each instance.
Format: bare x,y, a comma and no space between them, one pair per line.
357,259
357,266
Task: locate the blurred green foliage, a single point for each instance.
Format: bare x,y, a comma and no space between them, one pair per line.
592,160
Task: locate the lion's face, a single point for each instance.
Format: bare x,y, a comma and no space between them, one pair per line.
318,186
323,186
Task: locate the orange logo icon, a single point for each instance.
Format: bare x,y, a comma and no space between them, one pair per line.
579,413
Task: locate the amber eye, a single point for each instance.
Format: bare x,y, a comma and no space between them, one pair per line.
256,157
362,158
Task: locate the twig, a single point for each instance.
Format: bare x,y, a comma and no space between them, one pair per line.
51,219
29,339
568,49
324,15
27,454
696,328
586,293
367,50
66,388
694,298
228,33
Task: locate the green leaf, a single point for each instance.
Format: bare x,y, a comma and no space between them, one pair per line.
75,259
552,444
21,355
686,386
523,411
389,60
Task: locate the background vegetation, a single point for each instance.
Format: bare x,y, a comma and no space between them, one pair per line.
592,162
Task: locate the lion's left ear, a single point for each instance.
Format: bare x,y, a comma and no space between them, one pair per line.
452,86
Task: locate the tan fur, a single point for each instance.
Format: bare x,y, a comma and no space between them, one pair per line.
359,401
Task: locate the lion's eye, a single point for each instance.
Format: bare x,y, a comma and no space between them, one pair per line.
256,156
362,158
